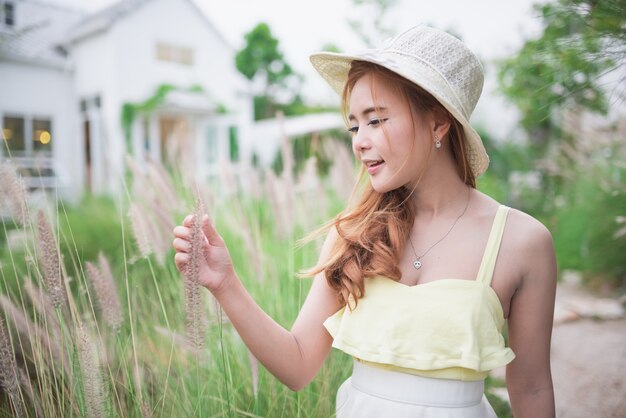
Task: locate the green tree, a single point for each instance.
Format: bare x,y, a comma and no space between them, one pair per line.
582,41
262,62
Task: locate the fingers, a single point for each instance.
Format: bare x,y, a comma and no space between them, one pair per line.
181,245
184,231
188,220
211,233
181,260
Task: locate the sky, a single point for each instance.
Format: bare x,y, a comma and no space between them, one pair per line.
493,29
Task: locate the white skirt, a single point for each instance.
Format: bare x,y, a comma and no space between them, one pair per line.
375,392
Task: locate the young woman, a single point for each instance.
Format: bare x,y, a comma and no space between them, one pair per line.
416,278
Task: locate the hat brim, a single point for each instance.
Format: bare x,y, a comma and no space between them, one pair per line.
334,68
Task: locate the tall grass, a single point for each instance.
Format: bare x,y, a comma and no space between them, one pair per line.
111,328
96,321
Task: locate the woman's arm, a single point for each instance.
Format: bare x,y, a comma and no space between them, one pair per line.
295,356
528,376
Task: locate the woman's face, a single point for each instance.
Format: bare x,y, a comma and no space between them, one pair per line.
389,138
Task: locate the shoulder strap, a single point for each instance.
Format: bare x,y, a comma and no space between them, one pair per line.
488,263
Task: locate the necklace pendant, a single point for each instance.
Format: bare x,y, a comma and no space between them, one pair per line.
417,264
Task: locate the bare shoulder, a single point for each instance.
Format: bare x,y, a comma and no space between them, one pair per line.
523,230
527,233
527,246
531,242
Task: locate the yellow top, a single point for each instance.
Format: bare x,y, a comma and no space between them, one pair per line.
448,328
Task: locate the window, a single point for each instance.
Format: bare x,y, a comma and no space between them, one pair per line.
42,136
171,53
88,103
211,144
24,136
13,135
9,14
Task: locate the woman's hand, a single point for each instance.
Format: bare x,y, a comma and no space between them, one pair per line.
215,267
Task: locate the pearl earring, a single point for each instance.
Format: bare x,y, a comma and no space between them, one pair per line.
437,142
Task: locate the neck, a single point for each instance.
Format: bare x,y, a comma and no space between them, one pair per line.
440,194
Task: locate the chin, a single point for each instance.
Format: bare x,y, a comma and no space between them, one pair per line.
383,186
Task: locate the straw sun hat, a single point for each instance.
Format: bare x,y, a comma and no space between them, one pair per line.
436,61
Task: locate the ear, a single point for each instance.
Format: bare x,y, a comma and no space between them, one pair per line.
440,124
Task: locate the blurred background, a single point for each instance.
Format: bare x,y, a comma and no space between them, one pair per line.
120,117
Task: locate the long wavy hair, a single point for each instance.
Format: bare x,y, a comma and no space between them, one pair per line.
374,228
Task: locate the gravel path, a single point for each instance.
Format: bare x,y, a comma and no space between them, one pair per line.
589,368
588,355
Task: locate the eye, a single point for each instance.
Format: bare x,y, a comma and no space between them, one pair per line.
376,122
353,129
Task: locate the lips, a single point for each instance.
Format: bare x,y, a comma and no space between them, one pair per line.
373,165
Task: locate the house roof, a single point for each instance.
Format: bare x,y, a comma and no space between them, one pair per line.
105,18
43,29
39,27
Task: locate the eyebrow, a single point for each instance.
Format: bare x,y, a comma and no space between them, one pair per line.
368,111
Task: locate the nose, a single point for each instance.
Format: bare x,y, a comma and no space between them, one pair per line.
360,141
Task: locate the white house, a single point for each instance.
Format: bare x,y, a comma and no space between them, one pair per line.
151,78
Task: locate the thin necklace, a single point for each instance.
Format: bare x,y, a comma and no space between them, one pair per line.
418,258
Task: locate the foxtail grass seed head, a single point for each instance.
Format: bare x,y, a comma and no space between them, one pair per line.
42,305
9,373
160,246
27,386
280,202
197,242
32,336
8,367
146,412
91,374
193,295
342,171
140,230
193,309
110,294
13,193
106,292
50,259
158,176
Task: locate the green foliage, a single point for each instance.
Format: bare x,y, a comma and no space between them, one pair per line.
573,223
606,251
131,110
582,40
90,227
233,143
261,56
492,185
307,146
584,233
298,107
262,61
500,406
506,157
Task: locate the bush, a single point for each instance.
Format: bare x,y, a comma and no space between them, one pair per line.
584,228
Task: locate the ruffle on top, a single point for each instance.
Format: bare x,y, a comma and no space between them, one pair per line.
442,324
